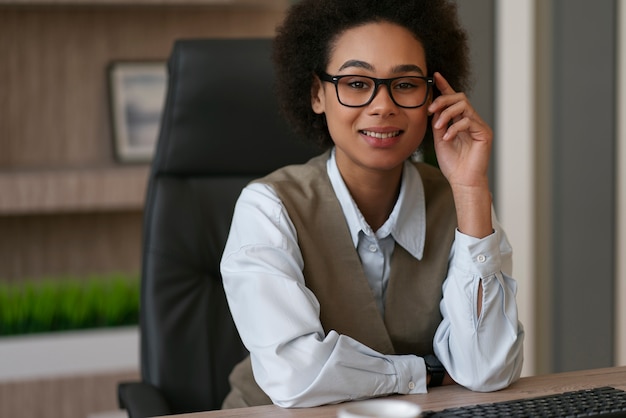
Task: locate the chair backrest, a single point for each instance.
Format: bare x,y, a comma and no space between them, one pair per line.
220,128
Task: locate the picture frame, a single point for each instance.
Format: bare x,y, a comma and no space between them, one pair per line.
137,92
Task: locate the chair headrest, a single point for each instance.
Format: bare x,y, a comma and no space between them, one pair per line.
221,115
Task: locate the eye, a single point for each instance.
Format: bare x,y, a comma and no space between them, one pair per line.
408,84
357,83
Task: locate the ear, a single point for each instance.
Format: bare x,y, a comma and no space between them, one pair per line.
318,98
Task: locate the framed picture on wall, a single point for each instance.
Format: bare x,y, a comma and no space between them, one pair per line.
137,93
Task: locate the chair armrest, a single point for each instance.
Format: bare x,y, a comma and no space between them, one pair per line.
142,400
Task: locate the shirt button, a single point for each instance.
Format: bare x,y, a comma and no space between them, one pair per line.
373,248
481,258
411,385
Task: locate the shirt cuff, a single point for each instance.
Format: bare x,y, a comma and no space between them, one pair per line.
410,374
479,256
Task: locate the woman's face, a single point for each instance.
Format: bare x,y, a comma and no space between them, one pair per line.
381,135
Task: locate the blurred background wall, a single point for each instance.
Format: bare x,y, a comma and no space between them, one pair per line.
548,77
558,176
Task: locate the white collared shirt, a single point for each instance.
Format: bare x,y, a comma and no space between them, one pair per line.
277,316
406,226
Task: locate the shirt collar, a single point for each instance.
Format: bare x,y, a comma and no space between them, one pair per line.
407,222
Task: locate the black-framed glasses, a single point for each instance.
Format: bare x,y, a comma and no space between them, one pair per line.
359,90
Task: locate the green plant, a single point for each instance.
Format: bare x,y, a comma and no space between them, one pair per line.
68,304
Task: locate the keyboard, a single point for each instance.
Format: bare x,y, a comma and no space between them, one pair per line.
597,402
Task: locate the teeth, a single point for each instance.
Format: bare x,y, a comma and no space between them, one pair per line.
382,135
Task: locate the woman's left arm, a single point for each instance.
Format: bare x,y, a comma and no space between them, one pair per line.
482,351
480,338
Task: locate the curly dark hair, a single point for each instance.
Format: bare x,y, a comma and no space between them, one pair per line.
304,41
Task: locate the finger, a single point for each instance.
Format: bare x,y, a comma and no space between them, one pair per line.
450,113
454,129
444,131
438,124
442,102
438,133
442,84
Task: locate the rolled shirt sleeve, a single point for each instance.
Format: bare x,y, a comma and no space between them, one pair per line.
481,352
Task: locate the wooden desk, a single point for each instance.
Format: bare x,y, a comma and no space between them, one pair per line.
449,396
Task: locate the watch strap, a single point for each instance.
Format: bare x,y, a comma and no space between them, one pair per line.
435,369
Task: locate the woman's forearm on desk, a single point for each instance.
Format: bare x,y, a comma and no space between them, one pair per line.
481,350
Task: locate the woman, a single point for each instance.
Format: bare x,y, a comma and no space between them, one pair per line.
360,273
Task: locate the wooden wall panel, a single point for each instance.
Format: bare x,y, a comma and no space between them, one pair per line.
54,107
77,245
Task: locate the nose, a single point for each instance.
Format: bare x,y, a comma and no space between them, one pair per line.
382,103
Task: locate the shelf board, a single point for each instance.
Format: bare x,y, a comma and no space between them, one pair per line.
68,353
73,190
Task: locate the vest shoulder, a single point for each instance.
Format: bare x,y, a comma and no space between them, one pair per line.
297,172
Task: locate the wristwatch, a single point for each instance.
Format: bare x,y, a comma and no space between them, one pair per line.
435,370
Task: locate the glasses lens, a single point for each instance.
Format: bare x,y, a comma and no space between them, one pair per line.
355,90
359,90
409,91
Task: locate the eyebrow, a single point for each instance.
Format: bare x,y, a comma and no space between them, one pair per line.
357,64
407,68
403,68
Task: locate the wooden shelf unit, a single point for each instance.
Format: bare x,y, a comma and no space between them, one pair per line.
56,145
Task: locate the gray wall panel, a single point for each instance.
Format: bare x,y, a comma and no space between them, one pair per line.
478,18
583,183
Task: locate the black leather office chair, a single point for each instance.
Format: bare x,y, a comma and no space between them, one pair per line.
220,129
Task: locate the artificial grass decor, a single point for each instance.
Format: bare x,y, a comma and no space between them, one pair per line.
68,304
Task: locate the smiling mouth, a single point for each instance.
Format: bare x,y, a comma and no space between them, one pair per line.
381,135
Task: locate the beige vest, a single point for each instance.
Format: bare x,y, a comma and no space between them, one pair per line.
333,271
